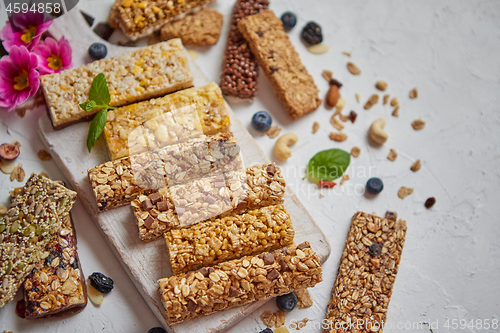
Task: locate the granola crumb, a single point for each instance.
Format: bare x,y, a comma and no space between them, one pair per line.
418,124
392,155
18,173
414,93
344,179
46,175
358,97
404,192
315,127
347,53
327,75
394,101
300,324
395,113
273,132
270,319
44,155
416,166
355,151
304,299
386,99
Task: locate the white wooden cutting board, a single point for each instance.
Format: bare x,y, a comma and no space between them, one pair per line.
148,262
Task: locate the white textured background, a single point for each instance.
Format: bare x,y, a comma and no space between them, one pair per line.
450,266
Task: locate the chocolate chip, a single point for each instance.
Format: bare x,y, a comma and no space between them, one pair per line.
148,221
391,216
242,205
284,266
268,258
303,246
273,69
211,270
155,197
163,206
271,170
203,271
260,33
191,306
147,205
273,274
220,184
233,292
375,249
211,199
103,30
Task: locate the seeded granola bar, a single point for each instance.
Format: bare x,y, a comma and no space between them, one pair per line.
30,223
200,28
139,18
212,242
270,44
255,187
367,272
57,284
132,77
167,120
239,69
237,282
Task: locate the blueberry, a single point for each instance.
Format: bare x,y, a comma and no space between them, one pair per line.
261,121
286,302
97,51
157,330
289,20
312,33
374,185
101,282
267,330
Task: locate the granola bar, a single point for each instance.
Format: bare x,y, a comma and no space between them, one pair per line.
367,272
212,242
132,77
256,187
270,44
28,226
139,18
57,283
167,120
239,69
237,282
200,28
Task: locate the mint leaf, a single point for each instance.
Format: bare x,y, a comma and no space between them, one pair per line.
96,127
329,164
99,92
88,106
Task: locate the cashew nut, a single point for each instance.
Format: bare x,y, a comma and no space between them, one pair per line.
377,132
282,146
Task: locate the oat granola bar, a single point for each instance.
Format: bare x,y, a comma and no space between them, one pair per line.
57,284
30,223
200,28
270,44
212,242
237,282
139,18
132,77
167,120
367,272
239,69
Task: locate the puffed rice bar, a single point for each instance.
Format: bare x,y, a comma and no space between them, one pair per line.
237,282
134,76
212,242
367,273
167,120
30,223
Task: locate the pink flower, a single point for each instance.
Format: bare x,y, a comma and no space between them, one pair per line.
53,56
18,77
24,29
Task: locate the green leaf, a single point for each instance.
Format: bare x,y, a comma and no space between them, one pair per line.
329,164
88,106
96,127
99,92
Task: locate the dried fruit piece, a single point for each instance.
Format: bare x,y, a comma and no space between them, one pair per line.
157,330
404,192
381,85
327,75
282,329
9,151
101,282
339,137
7,166
273,131
94,295
413,93
353,68
430,202
392,155
395,113
18,173
371,101
336,123
312,33
386,99
355,151
352,116
315,127
318,48
416,166
44,155
333,95
394,101
418,124
326,184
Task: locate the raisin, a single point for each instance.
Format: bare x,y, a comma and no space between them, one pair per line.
375,249
101,282
312,33
352,116
430,202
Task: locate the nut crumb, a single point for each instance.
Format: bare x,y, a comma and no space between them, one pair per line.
394,101
336,123
392,155
273,132
344,118
347,53
413,93
44,155
416,166
270,319
315,127
340,105
339,137
386,99
327,75
18,173
404,192
355,151
304,299
46,175
299,324
3,210
321,195
395,113
371,101
318,48
358,97
381,85
344,179
418,124
353,68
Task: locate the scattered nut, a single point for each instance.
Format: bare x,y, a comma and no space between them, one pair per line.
353,68
46,175
3,210
404,192
344,179
340,105
333,95
386,99
418,124
315,127
371,101
327,75
339,137
377,132
44,155
336,123
344,118
358,97
392,155
394,101
17,173
7,166
395,113
282,146
318,48
95,296
416,166
273,131
355,151
381,85
413,93
347,53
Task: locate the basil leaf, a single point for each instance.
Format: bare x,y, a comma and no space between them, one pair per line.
88,106
99,92
329,164
96,127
